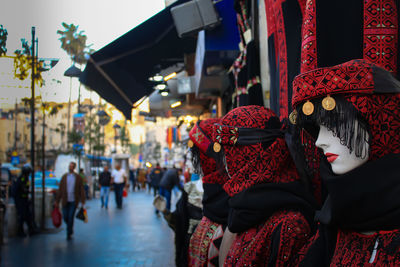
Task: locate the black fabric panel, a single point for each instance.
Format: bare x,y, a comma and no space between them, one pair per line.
339,31
215,203
384,82
274,76
321,250
257,203
293,22
275,245
365,198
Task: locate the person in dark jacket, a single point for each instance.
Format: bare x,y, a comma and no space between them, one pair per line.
169,179
71,193
155,178
22,202
105,182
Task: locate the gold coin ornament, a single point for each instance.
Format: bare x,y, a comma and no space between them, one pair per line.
293,117
217,147
328,103
190,143
308,108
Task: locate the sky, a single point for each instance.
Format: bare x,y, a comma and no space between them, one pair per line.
101,20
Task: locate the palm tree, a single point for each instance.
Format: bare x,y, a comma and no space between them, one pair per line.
74,43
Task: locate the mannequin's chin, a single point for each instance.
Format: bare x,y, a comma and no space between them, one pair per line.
342,168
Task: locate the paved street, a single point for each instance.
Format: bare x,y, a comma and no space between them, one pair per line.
133,236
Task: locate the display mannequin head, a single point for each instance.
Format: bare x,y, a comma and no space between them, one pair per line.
254,148
365,114
204,158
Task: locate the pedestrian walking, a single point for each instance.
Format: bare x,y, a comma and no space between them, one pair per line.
105,182
71,193
169,179
155,178
119,180
20,192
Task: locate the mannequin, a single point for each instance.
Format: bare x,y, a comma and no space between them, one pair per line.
270,210
353,112
205,242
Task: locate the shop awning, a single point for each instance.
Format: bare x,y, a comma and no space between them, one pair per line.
119,72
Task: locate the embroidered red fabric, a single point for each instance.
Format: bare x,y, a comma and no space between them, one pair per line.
354,76
252,164
254,247
309,38
381,33
355,249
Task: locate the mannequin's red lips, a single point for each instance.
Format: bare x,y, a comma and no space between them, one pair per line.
331,157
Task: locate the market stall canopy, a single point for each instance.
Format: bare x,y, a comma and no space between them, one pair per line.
120,71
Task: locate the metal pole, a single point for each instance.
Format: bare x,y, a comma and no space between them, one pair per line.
15,126
33,123
69,110
43,170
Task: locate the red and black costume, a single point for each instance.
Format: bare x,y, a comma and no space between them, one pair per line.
270,208
367,198
206,239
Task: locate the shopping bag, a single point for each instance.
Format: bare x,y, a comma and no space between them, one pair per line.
56,216
125,193
82,215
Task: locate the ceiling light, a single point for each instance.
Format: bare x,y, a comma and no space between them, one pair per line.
164,92
161,86
156,78
176,104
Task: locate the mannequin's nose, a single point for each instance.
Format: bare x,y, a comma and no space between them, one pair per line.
321,141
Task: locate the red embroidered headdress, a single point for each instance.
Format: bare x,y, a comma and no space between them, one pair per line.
356,90
255,148
204,156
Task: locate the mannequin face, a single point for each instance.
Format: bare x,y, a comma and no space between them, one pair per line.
338,155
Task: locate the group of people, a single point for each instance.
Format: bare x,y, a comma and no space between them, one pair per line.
320,188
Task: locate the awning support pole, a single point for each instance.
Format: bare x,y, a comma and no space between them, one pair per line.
108,78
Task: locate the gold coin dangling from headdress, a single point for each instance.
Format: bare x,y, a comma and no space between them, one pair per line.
308,108
217,147
328,103
190,143
293,117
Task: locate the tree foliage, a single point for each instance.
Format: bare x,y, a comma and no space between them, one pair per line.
23,64
73,42
3,41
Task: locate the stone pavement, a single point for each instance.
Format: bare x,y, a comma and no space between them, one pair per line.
133,236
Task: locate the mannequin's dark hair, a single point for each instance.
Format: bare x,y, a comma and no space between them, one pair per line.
196,160
345,121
